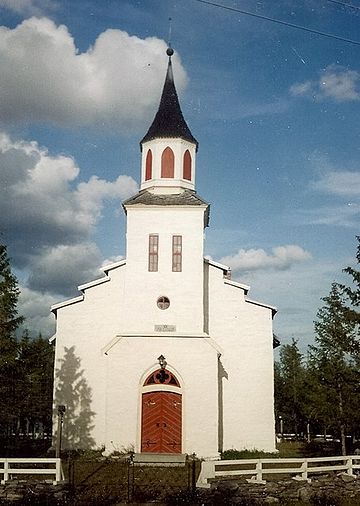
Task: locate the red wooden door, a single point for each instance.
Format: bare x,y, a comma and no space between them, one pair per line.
161,422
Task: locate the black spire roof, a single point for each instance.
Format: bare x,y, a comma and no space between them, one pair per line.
169,120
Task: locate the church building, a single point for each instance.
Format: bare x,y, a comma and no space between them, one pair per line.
165,353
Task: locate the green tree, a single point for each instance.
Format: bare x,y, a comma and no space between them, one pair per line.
9,323
333,366
35,385
353,292
290,391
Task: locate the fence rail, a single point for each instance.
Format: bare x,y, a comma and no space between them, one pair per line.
257,468
14,466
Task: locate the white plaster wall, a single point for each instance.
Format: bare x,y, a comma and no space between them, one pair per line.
88,326
192,360
244,331
157,146
184,289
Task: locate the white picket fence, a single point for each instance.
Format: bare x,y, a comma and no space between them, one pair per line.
13,466
257,469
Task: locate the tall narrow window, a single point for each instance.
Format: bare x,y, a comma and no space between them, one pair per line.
176,253
187,165
148,166
167,163
153,252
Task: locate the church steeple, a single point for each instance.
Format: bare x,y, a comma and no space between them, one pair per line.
169,120
168,148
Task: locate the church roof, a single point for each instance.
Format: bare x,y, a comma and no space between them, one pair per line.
169,120
185,198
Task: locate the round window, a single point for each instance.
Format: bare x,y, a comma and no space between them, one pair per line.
163,302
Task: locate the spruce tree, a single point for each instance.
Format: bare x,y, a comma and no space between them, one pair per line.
290,389
353,292
9,323
333,364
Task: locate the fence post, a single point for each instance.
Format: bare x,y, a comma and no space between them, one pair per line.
207,471
193,473
349,466
304,470
259,470
130,463
6,472
57,472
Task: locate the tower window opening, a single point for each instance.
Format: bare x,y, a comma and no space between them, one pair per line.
153,252
187,165
176,253
167,163
148,166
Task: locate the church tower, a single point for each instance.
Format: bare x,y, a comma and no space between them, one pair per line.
165,223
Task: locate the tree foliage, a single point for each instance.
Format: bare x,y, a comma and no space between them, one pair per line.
325,390
333,363
26,365
290,392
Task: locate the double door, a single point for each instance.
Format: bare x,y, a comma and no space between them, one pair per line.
161,422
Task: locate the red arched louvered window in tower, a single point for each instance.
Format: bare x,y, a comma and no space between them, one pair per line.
148,166
167,163
187,165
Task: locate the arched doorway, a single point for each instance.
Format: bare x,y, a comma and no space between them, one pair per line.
161,414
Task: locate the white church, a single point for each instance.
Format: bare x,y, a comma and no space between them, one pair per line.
165,353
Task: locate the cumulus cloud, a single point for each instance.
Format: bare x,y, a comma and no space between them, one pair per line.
111,260
35,307
44,77
281,258
335,82
29,7
47,218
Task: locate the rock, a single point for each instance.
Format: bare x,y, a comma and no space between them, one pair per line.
254,480
13,496
347,477
298,477
228,486
304,494
271,500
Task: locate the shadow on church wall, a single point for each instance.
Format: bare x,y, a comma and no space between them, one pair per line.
73,391
221,375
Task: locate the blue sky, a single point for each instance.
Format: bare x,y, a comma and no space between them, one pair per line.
275,110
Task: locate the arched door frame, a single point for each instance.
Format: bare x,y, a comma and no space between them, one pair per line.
160,388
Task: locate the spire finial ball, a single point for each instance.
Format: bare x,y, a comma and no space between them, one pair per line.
169,51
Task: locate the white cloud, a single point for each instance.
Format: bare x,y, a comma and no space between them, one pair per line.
334,82
281,258
344,215
35,307
47,220
342,190
29,7
111,260
45,78
301,88
343,183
